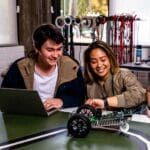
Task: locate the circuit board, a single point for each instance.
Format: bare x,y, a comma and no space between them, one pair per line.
87,118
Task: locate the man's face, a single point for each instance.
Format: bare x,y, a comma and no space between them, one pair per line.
50,53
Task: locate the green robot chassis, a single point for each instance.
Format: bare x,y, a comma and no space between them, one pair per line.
87,118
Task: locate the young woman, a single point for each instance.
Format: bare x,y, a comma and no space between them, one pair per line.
108,86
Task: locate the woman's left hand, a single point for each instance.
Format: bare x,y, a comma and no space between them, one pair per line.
96,103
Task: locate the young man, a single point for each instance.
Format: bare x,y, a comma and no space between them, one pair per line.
56,77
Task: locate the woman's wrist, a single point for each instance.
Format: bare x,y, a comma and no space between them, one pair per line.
148,89
106,103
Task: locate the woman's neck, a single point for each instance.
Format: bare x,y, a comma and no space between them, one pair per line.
103,79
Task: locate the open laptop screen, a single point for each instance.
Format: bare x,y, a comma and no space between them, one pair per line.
21,101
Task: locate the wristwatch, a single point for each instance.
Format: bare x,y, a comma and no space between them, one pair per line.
105,103
148,89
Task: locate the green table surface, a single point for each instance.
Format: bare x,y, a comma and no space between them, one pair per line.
17,126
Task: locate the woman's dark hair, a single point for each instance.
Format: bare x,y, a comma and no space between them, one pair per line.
88,73
43,33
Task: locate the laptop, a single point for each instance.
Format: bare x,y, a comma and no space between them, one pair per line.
22,101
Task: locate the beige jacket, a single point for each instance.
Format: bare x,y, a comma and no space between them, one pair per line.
70,85
124,85
67,70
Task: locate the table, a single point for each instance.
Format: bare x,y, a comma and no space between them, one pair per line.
17,127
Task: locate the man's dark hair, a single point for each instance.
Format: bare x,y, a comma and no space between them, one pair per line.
45,32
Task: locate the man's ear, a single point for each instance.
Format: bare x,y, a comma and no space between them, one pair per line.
36,50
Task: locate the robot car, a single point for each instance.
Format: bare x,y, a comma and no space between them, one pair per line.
87,117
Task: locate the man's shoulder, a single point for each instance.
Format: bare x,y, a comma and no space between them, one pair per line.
68,65
67,59
25,61
15,63
21,60
68,62
13,67
18,60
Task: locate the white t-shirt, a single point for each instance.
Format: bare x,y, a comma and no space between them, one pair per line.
45,85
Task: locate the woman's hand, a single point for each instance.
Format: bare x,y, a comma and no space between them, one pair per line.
53,103
96,103
148,112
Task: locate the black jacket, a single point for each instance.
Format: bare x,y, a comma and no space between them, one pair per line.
70,83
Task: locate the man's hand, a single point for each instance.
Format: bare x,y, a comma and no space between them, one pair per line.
53,103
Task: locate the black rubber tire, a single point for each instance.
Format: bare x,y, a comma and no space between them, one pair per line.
86,110
78,126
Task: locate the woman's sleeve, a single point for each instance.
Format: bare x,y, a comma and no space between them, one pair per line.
134,94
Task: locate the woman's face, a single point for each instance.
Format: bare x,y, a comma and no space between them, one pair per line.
100,63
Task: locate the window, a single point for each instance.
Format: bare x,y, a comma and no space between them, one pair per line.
82,15
8,23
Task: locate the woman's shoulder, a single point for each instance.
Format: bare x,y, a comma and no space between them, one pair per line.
123,73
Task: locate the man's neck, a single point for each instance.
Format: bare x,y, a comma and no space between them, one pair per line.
44,70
